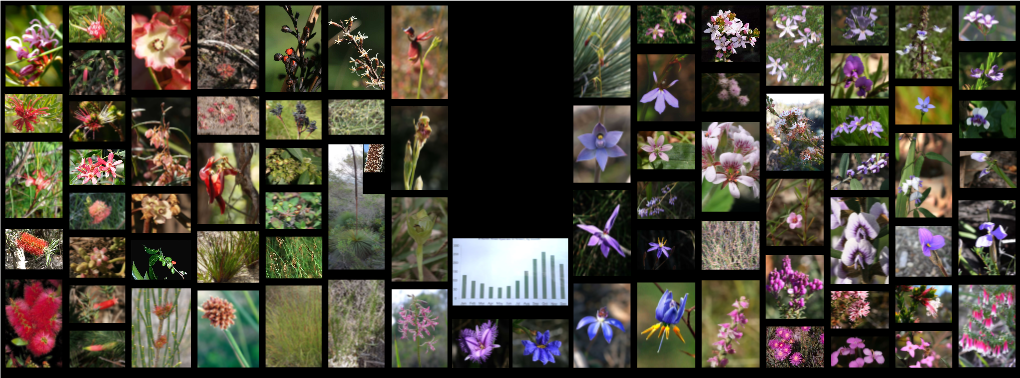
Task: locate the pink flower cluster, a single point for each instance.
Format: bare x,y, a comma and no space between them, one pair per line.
728,333
782,346
924,346
38,40
987,342
96,30
410,318
856,348
94,168
797,284
857,306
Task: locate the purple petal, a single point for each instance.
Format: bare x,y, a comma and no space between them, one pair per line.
984,241
660,141
670,99
647,148
660,103
651,157
593,330
660,309
615,244
601,156
1000,233
613,137
594,240
607,331
987,226
529,347
615,151
924,235
615,323
663,156
588,140
666,147
585,321
599,129
586,154
591,229
653,248
656,77
612,219
674,82
605,250
554,348
938,242
648,97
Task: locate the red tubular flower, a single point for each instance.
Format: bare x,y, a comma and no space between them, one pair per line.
214,182
32,244
105,305
414,51
27,111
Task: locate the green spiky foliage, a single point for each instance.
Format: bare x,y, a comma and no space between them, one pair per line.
602,51
112,354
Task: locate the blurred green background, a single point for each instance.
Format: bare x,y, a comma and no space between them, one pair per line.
940,43
1005,30
876,69
83,358
287,128
558,331
17,19
370,23
588,299
906,100
277,42
716,306
594,207
808,264
648,348
859,138
972,60
213,348
405,352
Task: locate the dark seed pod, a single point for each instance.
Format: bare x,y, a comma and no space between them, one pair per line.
277,57
286,29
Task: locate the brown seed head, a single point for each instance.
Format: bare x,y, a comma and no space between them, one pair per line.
219,312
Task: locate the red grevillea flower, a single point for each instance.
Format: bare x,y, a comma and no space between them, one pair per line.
219,312
105,305
99,211
40,180
214,182
93,120
157,41
31,244
27,111
415,49
96,30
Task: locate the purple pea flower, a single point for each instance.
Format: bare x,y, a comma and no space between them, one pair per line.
863,85
995,73
978,118
600,145
997,233
602,321
976,73
668,312
930,242
657,147
924,105
861,226
850,173
857,253
660,247
661,95
852,69
478,343
602,238
543,348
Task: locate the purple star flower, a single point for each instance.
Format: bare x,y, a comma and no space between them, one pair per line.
852,69
600,145
924,105
543,348
930,242
998,233
479,343
976,73
660,247
995,73
602,321
657,147
661,95
602,238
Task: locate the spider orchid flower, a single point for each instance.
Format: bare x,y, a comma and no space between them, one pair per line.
603,321
600,237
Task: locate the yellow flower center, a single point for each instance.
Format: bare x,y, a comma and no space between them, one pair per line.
541,346
600,136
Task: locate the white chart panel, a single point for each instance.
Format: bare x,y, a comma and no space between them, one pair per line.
510,272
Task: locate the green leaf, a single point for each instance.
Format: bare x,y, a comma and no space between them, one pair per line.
172,270
798,193
844,163
966,235
276,223
150,250
135,274
927,214
152,273
856,185
680,157
153,260
882,232
835,254
924,195
967,227
901,205
304,178
1008,122
721,201
296,152
934,156
917,166
885,185
19,342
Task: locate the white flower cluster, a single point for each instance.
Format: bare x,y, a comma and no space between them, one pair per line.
729,33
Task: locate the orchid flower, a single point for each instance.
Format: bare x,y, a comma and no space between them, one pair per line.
602,321
602,238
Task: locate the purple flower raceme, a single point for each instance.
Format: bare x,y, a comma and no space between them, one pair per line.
478,343
929,242
668,312
600,145
657,147
543,349
660,95
602,238
602,320
660,247
797,284
922,35
997,233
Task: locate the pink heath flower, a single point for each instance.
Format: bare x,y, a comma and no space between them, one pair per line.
656,32
794,220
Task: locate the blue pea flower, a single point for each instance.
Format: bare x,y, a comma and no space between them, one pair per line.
997,233
924,105
600,145
543,349
668,313
660,247
602,321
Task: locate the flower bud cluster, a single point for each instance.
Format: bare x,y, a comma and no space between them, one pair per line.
796,284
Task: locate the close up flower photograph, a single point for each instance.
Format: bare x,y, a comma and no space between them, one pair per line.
736,326
924,105
99,121
228,328
864,171
794,212
540,343
859,76
924,349
924,304
992,71
97,23
424,70
161,47
795,347
33,113
293,55
989,337
859,25
666,24
987,23
597,249
663,309
482,342
107,257
987,119
602,334
666,149
34,53
352,64
411,127
664,81
925,187
666,200
97,167
923,251
668,249
985,231
923,38
859,240
795,34
976,165
732,33
32,322
601,51
104,68
859,309
33,249
730,166
33,184
97,211
420,318
859,126
602,136
161,142
730,92
169,310
97,349
860,352
230,177
792,285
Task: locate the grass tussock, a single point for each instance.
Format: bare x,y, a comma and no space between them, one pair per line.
356,331
294,257
293,326
355,249
226,253
729,245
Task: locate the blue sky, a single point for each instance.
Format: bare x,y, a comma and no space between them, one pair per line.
942,289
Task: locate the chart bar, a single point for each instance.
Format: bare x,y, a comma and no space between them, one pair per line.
525,284
500,292
534,275
563,286
552,275
507,291
483,292
518,290
490,292
472,289
544,296
464,288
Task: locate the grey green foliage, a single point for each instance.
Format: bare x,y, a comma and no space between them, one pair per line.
356,117
356,324
729,245
602,51
290,166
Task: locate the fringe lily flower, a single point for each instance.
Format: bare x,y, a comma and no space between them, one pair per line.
542,349
602,238
601,321
668,312
478,343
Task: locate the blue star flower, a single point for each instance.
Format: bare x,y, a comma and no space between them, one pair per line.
660,247
600,145
543,349
602,321
924,105
601,237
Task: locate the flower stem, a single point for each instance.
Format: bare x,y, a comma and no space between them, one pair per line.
421,277
155,82
922,118
1003,175
237,351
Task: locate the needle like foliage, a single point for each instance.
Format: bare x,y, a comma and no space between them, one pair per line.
602,37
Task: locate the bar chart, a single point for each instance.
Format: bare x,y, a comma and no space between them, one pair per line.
517,272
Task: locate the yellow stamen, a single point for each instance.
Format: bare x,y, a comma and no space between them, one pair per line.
541,346
651,329
600,136
665,329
